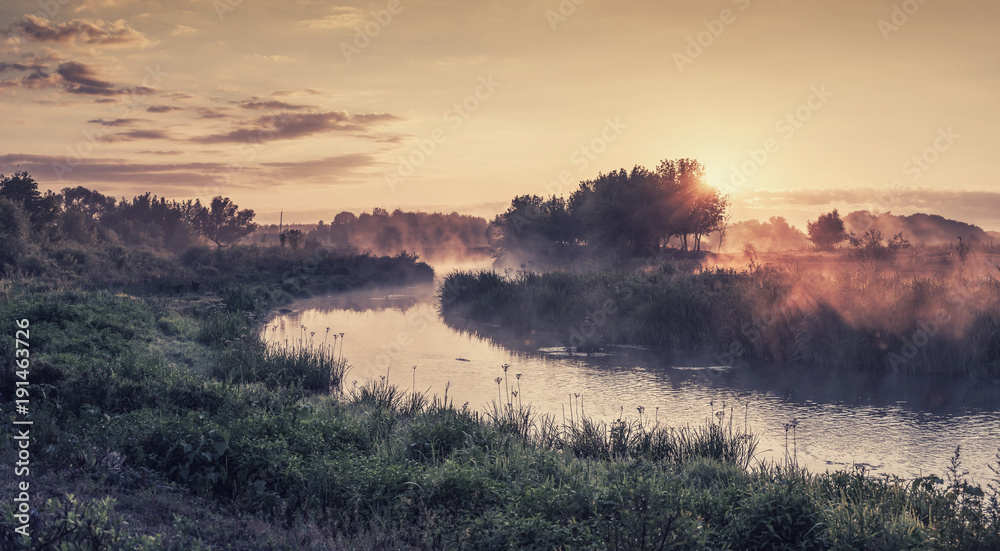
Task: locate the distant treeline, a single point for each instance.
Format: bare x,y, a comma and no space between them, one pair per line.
429,235
31,221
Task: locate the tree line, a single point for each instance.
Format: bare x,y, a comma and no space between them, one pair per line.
30,218
622,213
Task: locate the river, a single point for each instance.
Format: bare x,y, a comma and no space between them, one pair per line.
903,425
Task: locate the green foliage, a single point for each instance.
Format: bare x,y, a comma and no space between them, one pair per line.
380,467
757,314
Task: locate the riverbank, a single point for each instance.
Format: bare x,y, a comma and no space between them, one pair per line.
855,320
148,400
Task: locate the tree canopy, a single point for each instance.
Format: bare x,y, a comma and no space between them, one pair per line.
624,212
827,231
222,222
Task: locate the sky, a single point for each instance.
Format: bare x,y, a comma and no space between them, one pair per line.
314,107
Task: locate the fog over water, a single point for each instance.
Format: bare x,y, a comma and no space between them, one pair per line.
905,425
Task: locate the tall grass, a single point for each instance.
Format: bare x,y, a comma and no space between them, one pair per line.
862,319
378,467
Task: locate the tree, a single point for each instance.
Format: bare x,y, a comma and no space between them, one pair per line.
13,235
827,231
295,238
21,189
533,225
222,222
87,201
617,212
727,222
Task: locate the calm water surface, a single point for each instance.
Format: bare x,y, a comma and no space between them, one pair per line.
908,426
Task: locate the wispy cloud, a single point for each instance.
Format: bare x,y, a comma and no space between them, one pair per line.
78,78
341,17
116,122
91,32
270,104
181,30
163,108
285,126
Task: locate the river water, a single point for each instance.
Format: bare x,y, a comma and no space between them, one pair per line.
903,425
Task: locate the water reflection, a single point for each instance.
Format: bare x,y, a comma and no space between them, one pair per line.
905,425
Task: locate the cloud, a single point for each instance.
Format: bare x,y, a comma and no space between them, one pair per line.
286,92
270,104
49,169
324,168
137,177
78,78
116,122
285,126
212,112
20,67
162,108
343,17
181,30
92,32
38,79
272,57
132,135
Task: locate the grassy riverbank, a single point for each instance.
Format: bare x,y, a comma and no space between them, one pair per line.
163,423
869,319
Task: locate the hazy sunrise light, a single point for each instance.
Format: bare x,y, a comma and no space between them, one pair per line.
317,107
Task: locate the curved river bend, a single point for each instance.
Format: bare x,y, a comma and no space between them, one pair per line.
908,426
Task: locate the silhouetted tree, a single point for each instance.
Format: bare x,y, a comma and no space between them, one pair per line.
827,231
14,230
21,189
87,201
222,222
295,238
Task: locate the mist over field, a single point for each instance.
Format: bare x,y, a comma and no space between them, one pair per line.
532,275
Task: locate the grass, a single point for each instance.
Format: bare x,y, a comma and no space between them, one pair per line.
861,320
153,432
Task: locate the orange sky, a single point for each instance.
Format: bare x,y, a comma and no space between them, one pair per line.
315,107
